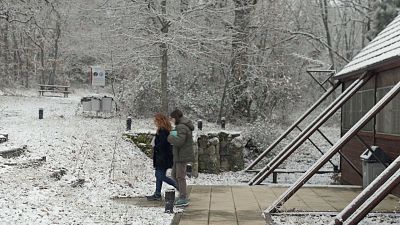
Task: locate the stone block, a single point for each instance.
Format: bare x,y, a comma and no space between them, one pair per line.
213,141
216,152
225,165
202,141
195,169
204,158
211,151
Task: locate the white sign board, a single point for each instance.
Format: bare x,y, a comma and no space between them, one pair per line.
98,76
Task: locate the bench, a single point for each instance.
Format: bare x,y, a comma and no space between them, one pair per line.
277,171
54,89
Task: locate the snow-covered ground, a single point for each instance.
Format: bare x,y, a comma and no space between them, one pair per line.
88,148
92,149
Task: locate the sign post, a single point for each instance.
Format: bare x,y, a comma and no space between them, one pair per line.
97,76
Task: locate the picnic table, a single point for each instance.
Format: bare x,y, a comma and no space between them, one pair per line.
54,89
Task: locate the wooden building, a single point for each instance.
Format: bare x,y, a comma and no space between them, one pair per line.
381,57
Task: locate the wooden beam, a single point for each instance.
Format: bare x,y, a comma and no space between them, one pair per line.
294,125
361,199
310,129
329,154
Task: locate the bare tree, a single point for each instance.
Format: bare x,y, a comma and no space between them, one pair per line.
239,64
323,4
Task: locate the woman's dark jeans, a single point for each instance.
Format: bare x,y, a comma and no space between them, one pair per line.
160,178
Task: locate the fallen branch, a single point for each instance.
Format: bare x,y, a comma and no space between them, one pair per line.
28,163
14,152
77,183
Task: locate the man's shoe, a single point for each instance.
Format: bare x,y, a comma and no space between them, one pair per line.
182,202
153,197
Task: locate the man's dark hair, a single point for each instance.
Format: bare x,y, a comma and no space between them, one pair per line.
177,115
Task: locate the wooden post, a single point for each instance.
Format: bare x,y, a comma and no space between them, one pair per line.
40,113
274,177
200,124
189,170
169,201
129,123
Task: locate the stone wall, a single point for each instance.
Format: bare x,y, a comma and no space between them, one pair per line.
214,152
220,152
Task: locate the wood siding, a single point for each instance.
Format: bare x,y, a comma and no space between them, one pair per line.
388,142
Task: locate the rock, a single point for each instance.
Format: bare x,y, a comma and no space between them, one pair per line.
58,173
77,183
202,141
238,142
3,138
213,141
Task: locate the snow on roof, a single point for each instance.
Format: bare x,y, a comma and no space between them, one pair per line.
383,48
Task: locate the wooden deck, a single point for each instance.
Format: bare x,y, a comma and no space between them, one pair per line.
243,205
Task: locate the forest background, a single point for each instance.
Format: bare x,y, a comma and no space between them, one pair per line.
245,60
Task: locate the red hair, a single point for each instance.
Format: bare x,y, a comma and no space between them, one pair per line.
162,122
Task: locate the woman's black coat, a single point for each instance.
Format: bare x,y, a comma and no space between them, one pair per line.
162,154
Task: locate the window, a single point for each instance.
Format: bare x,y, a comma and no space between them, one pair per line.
388,119
356,107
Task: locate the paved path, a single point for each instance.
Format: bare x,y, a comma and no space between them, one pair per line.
243,205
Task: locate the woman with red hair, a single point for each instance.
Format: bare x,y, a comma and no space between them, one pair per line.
162,155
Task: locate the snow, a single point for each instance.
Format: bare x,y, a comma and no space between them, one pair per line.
94,149
89,148
326,219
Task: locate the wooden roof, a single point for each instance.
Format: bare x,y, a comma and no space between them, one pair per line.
383,49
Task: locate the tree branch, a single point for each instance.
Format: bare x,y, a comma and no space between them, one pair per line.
6,16
319,39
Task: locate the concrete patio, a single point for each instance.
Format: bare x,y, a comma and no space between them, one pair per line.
243,205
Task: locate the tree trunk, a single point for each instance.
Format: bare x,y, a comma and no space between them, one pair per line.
27,58
164,77
52,76
164,60
222,104
43,71
17,65
6,54
324,13
367,25
16,77
240,43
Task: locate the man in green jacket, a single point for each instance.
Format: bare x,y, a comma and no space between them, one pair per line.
182,141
